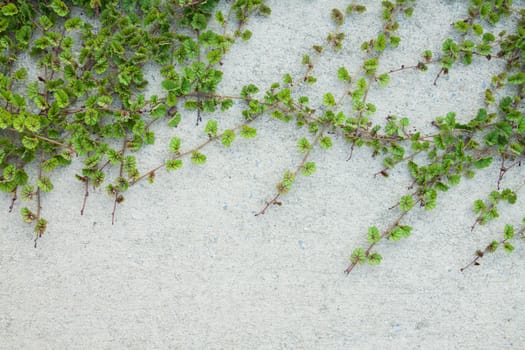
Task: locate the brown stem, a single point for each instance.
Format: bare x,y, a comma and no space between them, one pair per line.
272,201
383,235
13,200
297,169
86,194
121,171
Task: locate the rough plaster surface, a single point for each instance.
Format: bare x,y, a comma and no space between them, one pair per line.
188,266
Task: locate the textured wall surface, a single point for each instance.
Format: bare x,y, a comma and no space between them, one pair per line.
187,265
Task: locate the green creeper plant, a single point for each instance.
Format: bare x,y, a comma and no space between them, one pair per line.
85,98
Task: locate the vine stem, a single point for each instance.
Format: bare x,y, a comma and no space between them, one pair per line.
480,254
86,194
38,197
121,170
180,155
298,168
383,235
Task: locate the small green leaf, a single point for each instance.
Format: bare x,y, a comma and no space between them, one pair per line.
211,128
303,145
173,164
199,21
20,74
308,168
493,246
198,158
371,65
158,111
248,132
380,43
45,184
375,259
358,256
27,215
175,120
508,232
9,10
246,35
483,162
325,142
59,7
61,98
373,235
517,79
507,247
175,144
28,191
384,79
329,100
479,206
73,23
228,137
342,74
406,203
338,17
169,85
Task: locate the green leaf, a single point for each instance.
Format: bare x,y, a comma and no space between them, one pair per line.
20,74
226,104
175,120
211,128
371,65
73,23
479,206
517,79
61,98
492,247
28,191
27,215
308,168
338,17
325,142
199,21
175,144
342,74
373,235
507,247
91,116
249,90
508,232
158,111
375,259
9,10
173,164
303,145
198,158
394,41
219,17
246,35
329,100
40,102
45,184
483,162
228,137
248,132
406,203
169,85
59,7
358,256
380,43
384,79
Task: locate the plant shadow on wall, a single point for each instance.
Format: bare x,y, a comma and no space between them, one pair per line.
86,100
